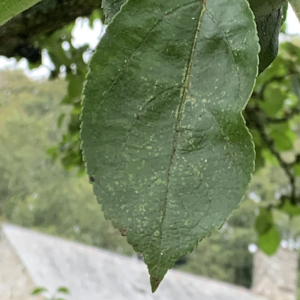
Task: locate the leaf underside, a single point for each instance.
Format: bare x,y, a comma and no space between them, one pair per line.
164,141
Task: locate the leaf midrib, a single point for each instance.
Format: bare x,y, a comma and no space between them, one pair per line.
179,118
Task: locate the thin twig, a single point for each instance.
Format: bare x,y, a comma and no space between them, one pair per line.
260,94
286,118
254,119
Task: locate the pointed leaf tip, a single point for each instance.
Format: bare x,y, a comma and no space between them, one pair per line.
154,283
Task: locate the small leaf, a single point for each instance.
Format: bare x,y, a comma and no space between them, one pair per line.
275,100
63,289
283,136
268,236
264,221
265,7
291,209
60,120
269,241
162,130
39,290
10,8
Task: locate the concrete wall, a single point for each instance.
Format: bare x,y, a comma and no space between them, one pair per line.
275,277
15,283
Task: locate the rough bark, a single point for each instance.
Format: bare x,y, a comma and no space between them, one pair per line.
18,35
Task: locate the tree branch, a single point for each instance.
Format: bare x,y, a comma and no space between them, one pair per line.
255,121
17,36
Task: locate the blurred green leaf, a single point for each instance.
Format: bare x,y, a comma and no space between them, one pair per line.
282,135
264,221
269,241
275,98
60,120
39,290
63,289
291,209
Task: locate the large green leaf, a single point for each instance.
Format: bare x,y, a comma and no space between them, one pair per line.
164,141
10,8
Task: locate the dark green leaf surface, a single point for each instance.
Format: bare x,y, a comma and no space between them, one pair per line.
165,144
